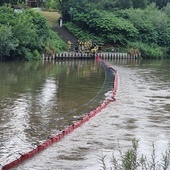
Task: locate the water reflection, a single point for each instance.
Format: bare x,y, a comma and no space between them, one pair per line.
39,99
141,111
14,117
47,94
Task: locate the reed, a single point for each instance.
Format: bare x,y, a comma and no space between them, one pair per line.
131,160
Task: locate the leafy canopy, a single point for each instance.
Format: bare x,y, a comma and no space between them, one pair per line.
26,35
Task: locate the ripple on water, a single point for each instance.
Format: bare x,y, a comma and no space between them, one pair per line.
140,111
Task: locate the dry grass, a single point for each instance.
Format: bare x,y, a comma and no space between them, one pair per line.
51,17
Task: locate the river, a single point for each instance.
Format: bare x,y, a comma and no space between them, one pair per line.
141,111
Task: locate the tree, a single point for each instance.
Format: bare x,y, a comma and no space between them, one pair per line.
28,35
52,4
167,9
124,4
152,24
140,3
7,41
2,2
160,3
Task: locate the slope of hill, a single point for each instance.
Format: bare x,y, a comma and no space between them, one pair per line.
52,18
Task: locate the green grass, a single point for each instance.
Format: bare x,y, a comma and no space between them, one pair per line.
51,17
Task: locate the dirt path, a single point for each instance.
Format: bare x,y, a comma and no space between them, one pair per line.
65,35
52,19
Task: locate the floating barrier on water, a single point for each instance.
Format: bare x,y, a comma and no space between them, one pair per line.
78,55
69,129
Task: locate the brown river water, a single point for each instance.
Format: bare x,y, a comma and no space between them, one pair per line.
39,99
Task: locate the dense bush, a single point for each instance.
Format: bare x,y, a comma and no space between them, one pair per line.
148,51
26,35
51,5
147,26
152,24
81,34
106,25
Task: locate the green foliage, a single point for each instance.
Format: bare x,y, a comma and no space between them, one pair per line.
52,4
124,4
137,22
130,159
7,41
81,34
160,3
106,25
148,51
108,5
145,25
55,44
140,3
113,29
153,26
26,35
2,2
166,9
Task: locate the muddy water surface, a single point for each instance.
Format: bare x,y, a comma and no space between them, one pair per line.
141,111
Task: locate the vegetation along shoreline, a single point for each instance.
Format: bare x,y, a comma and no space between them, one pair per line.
128,26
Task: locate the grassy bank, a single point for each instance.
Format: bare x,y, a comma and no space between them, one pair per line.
51,17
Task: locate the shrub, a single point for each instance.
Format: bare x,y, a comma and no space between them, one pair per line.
130,160
81,34
148,51
26,35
